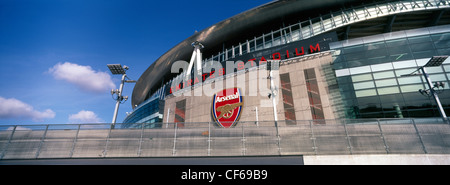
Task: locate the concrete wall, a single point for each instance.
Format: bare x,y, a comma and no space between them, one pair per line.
392,159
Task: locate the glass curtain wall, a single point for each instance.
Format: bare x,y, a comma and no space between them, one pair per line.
371,73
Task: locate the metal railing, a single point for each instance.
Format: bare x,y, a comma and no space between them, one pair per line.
302,137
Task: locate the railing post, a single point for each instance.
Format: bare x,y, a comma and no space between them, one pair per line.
140,140
7,144
420,137
278,138
74,142
105,151
313,138
348,138
243,149
386,147
209,138
175,140
41,143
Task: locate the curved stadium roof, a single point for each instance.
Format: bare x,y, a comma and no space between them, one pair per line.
349,18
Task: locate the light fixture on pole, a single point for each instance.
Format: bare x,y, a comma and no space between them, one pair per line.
117,69
433,62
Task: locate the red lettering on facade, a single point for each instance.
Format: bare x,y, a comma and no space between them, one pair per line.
251,61
314,49
299,54
276,56
263,60
196,80
240,65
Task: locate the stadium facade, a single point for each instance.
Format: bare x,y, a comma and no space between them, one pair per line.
335,59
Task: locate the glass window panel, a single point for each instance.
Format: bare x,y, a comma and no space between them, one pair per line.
252,45
355,63
437,69
381,67
398,50
419,39
364,85
268,40
364,93
359,70
391,98
388,90
421,46
447,68
381,75
376,53
355,56
396,42
442,44
276,38
441,36
411,88
359,78
342,72
236,51
375,45
404,64
445,51
259,43
295,35
425,54
384,83
438,77
409,80
343,79
353,49
404,71
400,57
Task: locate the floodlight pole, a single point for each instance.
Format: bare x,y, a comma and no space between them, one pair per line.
119,99
433,92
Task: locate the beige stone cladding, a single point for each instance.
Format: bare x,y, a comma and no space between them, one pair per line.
198,108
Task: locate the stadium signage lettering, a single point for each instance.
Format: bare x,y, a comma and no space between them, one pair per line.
240,65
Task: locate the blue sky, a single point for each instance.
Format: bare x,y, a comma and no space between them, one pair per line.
53,53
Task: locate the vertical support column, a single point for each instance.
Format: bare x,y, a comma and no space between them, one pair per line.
41,143
175,140
167,117
209,138
2,154
140,140
435,96
348,138
386,147
74,141
243,149
105,151
313,138
420,137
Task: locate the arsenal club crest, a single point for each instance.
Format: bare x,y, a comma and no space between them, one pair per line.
227,106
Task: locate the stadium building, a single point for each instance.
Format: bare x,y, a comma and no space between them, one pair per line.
313,60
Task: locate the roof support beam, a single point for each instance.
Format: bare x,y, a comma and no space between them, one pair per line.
436,17
389,24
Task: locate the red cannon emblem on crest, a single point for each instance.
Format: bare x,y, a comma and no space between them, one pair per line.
227,106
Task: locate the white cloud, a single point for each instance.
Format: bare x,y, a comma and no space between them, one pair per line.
83,76
13,108
84,117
